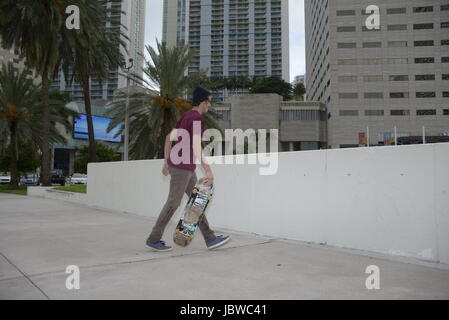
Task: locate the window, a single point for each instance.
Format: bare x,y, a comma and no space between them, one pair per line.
346,29
427,94
400,112
348,95
347,61
445,77
374,95
424,43
445,59
347,78
399,78
424,77
396,27
346,45
444,25
399,95
371,61
396,10
374,113
397,44
349,113
445,112
426,112
364,28
425,60
342,13
348,146
444,7
372,44
373,78
366,13
423,9
292,115
396,61
423,26
445,94
445,42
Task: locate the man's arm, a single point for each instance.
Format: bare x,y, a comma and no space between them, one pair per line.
167,150
199,154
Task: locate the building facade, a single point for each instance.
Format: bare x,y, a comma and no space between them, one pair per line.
373,80
300,79
302,125
232,38
132,23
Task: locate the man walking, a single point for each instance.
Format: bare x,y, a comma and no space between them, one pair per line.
183,178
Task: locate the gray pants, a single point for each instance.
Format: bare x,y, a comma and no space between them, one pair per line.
181,181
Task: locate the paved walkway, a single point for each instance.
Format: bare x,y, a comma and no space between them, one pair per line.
39,238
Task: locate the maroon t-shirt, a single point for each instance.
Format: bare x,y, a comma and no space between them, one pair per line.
186,123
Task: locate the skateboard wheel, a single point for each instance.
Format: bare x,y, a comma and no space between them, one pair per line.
209,198
195,191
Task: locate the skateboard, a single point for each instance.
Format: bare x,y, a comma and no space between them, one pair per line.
193,213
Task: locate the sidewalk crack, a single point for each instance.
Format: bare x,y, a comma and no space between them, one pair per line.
25,276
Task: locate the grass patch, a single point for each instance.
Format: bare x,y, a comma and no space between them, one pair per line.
22,191
80,188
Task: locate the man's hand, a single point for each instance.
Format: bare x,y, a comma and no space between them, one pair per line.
165,171
209,178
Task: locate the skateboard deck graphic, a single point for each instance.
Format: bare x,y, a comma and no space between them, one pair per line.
193,213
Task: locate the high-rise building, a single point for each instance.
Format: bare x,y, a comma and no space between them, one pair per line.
232,38
373,80
11,56
300,79
19,63
132,20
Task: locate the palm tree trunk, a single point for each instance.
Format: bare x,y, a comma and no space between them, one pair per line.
90,124
46,152
14,158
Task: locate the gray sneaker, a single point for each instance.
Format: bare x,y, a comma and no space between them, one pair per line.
218,242
159,246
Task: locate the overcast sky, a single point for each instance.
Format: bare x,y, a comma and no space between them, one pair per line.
153,30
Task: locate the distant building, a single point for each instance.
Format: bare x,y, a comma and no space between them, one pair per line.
397,75
13,56
300,79
302,125
64,154
133,20
231,38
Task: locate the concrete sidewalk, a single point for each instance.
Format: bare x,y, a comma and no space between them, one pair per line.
39,238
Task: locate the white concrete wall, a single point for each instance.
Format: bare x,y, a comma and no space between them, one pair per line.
392,200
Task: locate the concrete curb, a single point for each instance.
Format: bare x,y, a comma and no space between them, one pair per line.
50,193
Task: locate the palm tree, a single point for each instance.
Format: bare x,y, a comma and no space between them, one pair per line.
21,119
90,53
153,114
34,27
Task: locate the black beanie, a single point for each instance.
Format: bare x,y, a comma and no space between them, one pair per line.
200,95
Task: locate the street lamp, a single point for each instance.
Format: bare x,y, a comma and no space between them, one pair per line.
126,147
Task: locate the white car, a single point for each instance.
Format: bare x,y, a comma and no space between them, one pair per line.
5,178
78,178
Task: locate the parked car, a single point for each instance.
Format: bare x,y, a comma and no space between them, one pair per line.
57,177
5,178
78,178
30,179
